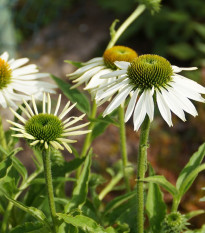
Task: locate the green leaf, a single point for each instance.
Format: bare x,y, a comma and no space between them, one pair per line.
20,168
3,150
155,205
30,227
73,95
194,213
75,63
193,163
5,165
112,27
110,230
161,180
36,213
189,180
85,223
81,189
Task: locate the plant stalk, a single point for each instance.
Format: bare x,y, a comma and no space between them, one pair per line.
141,169
49,185
138,11
123,145
2,140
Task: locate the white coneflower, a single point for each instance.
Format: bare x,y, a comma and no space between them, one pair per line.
143,79
17,82
46,129
92,70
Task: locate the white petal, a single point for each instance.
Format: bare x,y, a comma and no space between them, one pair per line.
131,105
149,104
122,64
76,127
184,103
139,112
177,69
18,63
57,105
94,60
114,74
173,104
119,99
164,109
32,76
66,111
2,100
73,133
5,56
73,121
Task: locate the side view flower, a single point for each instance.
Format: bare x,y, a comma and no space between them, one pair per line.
46,129
92,70
143,79
17,82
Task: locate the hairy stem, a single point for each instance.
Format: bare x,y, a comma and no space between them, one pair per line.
49,185
141,169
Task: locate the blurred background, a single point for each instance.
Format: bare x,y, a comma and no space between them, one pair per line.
50,31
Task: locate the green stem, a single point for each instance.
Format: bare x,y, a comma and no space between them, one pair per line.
123,145
87,141
110,186
138,11
49,184
7,212
2,139
141,169
175,204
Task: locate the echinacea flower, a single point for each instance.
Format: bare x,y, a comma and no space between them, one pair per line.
91,71
17,82
46,129
143,79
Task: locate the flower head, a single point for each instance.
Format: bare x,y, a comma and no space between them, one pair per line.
92,70
174,223
46,129
17,82
143,79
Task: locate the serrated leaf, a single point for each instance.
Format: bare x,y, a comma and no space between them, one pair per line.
75,63
194,162
155,205
162,181
73,95
36,213
30,227
81,189
83,222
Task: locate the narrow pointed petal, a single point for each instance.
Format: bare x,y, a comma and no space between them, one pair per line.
57,105
149,104
177,69
131,105
122,64
114,74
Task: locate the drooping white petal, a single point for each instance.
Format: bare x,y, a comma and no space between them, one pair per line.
73,121
18,116
94,60
184,103
28,107
173,104
139,112
122,64
16,124
74,133
25,111
119,98
131,105
149,104
164,109
76,127
67,147
3,100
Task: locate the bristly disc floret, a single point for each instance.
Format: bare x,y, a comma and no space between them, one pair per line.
5,74
118,53
174,223
46,127
148,71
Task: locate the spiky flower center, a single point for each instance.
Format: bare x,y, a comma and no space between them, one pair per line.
118,53
149,71
174,223
43,126
5,74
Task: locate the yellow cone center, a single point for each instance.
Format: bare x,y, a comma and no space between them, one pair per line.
5,74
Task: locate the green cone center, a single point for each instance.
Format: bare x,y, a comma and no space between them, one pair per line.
118,53
149,71
46,127
5,74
